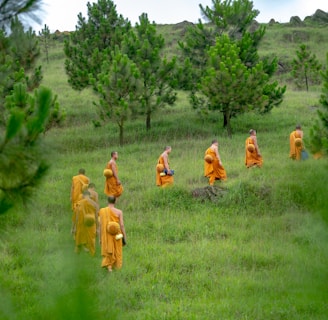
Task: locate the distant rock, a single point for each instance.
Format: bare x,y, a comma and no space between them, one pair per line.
272,22
182,26
320,16
254,26
296,21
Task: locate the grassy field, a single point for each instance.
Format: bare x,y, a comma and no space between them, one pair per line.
258,252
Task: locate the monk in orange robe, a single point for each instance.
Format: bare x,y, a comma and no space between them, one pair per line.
111,239
164,175
253,155
84,225
296,143
113,185
93,193
80,182
213,168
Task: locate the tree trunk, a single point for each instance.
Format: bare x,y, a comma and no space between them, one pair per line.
226,122
121,133
148,121
307,83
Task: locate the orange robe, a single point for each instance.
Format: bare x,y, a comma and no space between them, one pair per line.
84,235
214,171
111,186
252,158
77,183
94,196
111,249
163,181
295,152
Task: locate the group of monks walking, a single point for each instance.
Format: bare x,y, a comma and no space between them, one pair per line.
89,220
213,167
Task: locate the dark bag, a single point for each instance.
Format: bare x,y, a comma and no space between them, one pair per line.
304,155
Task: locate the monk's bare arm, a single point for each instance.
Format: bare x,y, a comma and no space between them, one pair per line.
256,146
114,169
166,163
122,225
217,154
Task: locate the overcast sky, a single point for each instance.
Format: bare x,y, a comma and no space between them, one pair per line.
62,14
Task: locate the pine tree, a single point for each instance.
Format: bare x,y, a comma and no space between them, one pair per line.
234,19
145,47
18,54
231,87
23,117
23,8
319,131
306,68
93,41
23,157
45,39
117,85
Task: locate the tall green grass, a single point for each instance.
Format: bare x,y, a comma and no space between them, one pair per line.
258,252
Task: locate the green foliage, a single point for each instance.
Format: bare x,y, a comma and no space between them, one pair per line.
306,68
22,158
57,116
229,85
118,86
45,39
236,20
263,244
89,53
145,47
319,131
231,17
12,8
196,42
90,45
18,54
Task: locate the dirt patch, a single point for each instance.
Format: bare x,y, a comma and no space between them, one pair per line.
212,193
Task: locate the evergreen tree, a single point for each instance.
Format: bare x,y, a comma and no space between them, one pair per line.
198,39
236,20
231,87
93,41
319,131
117,85
18,54
145,48
306,68
45,39
23,117
23,158
23,8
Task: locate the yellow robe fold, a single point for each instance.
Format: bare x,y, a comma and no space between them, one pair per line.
77,182
295,152
214,171
111,249
85,236
252,158
111,186
163,181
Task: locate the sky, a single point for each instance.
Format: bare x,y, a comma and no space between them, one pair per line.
62,14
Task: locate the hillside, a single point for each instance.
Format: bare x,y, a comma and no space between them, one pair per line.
257,251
